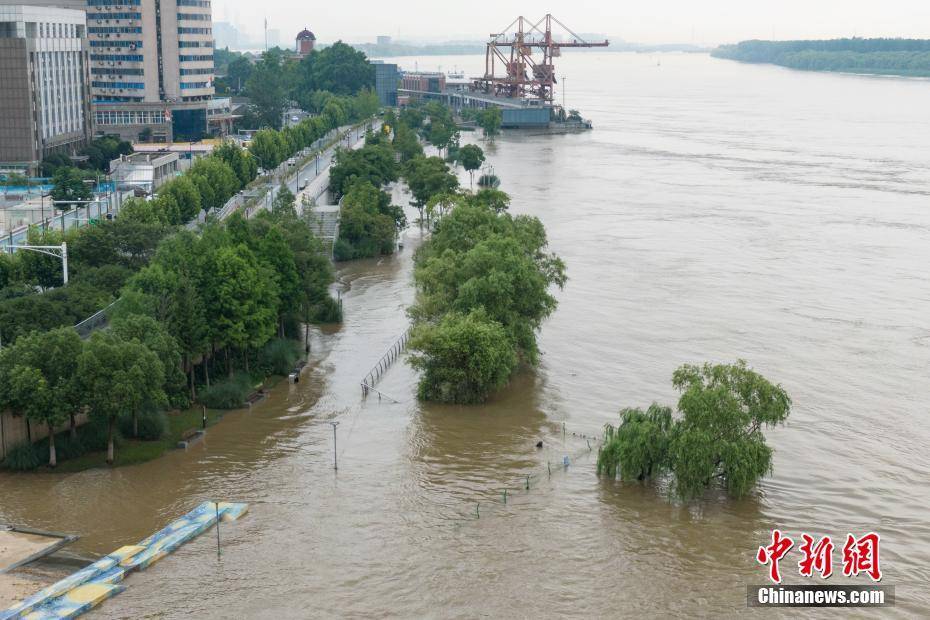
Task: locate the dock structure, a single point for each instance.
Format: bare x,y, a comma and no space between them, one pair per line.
515,113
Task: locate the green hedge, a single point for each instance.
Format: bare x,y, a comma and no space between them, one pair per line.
229,393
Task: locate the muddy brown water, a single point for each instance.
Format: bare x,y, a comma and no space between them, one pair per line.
718,211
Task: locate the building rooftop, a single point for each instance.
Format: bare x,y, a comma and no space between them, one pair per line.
306,34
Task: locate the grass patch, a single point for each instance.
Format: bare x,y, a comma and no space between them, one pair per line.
131,452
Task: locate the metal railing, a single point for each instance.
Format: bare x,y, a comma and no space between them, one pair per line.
378,370
95,321
64,220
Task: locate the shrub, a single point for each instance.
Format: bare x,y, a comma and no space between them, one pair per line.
67,448
93,435
277,357
343,250
153,426
229,393
22,457
327,311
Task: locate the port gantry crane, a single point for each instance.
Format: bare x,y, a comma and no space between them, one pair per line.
513,47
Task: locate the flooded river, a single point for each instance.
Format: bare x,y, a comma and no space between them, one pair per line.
717,211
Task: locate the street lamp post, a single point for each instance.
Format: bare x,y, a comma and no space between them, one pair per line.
58,251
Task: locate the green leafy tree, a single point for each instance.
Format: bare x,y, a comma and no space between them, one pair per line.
221,178
427,176
267,88
38,268
38,379
412,117
638,448
365,227
239,159
494,199
463,358
406,143
238,74
471,157
490,121
243,300
101,151
440,130
52,163
267,149
68,185
156,338
118,377
373,163
184,192
718,436
341,69
284,200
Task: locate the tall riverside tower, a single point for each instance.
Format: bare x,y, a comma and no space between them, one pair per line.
44,98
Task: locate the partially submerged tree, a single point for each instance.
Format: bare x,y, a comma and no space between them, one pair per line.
463,357
490,121
471,157
717,437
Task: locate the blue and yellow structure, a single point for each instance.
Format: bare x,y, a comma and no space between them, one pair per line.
93,584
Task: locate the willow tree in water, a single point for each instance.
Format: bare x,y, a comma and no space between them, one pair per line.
717,437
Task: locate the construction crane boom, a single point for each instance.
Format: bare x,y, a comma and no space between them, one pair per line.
513,49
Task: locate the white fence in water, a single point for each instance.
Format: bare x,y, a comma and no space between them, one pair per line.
378,370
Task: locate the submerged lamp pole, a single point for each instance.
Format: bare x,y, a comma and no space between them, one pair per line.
335,461
216,505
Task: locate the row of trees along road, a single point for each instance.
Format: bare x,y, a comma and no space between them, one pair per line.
255,281
233,291
368,222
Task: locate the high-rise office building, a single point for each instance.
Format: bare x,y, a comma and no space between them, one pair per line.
151,67
44,98
387,79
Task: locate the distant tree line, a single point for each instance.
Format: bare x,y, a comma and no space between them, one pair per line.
906,57
368,222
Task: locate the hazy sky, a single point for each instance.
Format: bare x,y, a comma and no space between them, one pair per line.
647,21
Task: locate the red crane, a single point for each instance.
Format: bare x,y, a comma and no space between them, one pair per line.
526,77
